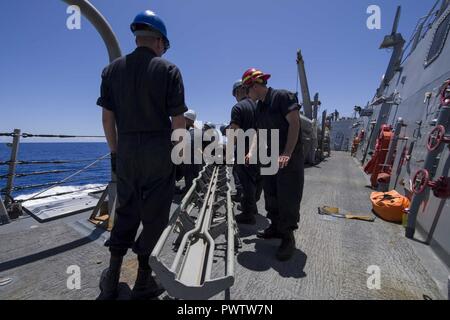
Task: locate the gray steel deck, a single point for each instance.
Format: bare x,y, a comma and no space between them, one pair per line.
330,263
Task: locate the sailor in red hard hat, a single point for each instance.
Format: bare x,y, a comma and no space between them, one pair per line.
279,110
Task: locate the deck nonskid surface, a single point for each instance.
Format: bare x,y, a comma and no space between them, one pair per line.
331,261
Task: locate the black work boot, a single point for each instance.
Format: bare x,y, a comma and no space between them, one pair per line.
245,219
109,279
145,286
270,233
287,247
237,197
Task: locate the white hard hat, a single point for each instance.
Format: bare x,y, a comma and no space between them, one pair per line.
191,115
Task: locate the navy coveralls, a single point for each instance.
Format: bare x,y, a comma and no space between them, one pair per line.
143,91
243,114
283,191
192,170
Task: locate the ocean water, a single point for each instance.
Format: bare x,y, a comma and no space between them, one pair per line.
94,177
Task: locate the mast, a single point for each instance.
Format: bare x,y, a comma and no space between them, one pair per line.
394,40
307,105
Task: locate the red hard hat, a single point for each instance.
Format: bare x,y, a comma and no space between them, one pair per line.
254,75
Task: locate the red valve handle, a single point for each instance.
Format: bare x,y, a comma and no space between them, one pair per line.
421,181
436,137
445,94
441,188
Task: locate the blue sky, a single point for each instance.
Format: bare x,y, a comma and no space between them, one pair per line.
50,76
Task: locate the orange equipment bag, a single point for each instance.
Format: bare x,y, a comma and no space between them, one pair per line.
390,206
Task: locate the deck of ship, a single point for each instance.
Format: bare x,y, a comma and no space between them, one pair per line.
331,261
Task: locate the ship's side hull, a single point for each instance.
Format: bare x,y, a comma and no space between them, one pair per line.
417,87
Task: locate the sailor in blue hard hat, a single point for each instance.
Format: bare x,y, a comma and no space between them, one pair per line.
148,24
142,96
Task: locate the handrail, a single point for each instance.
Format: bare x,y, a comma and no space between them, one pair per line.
415,38
45,162
14,162
69,177
30,135
12,174
38,173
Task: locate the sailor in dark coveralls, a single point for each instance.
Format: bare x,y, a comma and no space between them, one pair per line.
243,116
279,110
140,94
191,169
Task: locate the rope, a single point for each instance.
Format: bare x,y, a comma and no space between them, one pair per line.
36,186
46,162
20,175
69,177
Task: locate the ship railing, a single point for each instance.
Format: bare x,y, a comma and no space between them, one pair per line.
10,203
424,24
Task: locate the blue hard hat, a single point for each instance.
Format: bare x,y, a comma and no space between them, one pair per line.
237,85
149,19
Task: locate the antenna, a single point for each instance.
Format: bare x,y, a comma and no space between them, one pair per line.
316,105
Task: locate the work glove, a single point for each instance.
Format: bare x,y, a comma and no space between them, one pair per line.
113,162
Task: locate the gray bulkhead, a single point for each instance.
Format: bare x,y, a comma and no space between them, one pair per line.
417,86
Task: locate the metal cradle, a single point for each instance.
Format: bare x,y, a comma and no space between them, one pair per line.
205,213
